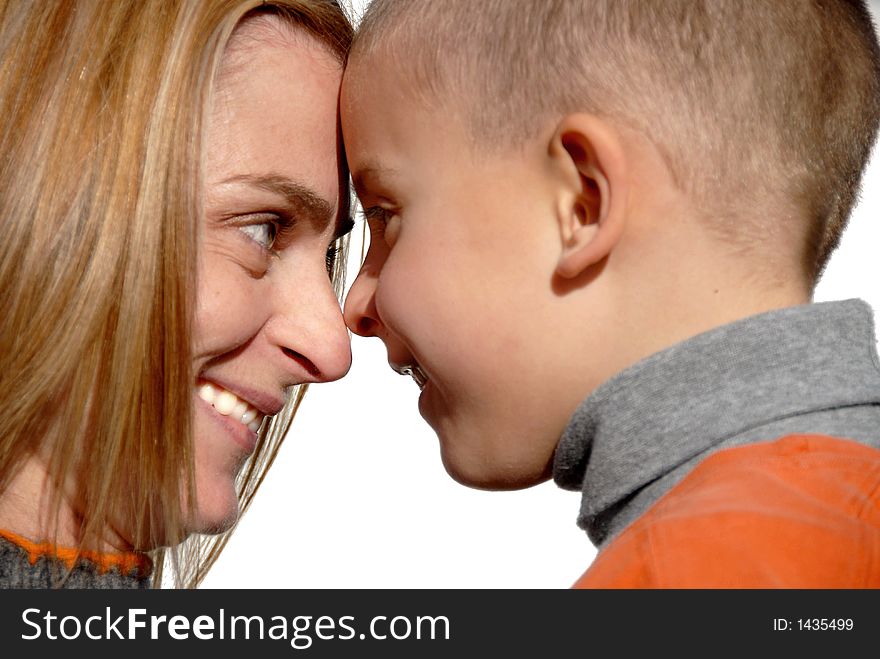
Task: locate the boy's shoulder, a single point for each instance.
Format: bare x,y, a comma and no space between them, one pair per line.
802,511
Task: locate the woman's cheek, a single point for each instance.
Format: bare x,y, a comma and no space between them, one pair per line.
215,473
229,305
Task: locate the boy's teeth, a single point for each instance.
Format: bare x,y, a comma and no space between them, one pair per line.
228,404
416,373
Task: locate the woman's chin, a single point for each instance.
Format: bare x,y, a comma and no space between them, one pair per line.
216,512
213,522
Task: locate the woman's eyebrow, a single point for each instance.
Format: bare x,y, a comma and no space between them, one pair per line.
300,198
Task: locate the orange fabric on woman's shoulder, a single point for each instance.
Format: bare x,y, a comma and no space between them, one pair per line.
802,511
124,562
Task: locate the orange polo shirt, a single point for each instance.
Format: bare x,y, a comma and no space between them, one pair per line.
799,512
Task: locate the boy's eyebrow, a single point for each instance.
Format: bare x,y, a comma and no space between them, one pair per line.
370,176
306,202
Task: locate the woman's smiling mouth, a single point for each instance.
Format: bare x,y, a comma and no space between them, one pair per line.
228,404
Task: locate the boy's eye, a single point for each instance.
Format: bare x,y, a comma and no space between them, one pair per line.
384,223
376,214
263,233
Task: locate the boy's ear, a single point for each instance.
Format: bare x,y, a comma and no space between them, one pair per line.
591,207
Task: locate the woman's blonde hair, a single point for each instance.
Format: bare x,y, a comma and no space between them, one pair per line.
104,107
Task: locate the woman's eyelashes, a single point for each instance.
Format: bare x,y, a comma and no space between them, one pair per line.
273,234
331,257
257,238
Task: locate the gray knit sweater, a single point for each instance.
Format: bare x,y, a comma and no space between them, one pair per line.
807,369
17,571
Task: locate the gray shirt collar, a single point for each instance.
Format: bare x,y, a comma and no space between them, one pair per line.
677,405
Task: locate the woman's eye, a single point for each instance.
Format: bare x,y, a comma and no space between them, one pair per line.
263,233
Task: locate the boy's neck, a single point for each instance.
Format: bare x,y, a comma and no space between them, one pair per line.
688,282
700,297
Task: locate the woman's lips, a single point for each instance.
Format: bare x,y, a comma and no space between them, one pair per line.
228,404
238,417
240,433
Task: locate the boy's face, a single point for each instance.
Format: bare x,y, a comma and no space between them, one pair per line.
459,280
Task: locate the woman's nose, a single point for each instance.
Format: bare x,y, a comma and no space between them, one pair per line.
360,305
308,328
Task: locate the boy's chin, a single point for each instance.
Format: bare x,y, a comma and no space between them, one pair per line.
495,474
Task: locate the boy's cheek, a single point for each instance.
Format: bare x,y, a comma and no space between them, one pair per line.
405,311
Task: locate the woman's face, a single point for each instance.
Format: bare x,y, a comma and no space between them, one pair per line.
267,315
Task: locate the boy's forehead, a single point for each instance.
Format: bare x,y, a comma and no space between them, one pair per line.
366,84
387,78
381,120
367,70
391,130
371,174
369,124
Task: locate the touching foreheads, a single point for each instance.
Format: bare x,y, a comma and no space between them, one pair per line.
761,109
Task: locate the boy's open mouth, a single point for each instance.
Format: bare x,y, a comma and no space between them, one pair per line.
415,372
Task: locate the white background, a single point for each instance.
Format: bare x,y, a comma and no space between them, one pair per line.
358,497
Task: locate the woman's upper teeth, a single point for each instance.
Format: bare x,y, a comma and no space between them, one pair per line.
228,404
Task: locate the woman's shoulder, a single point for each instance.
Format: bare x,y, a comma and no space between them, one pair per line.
28,564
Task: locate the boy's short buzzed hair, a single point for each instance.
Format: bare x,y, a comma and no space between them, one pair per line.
765,110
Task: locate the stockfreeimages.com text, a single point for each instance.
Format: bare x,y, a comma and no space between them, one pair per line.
300,631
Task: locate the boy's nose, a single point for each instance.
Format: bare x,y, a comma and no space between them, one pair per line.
360,306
